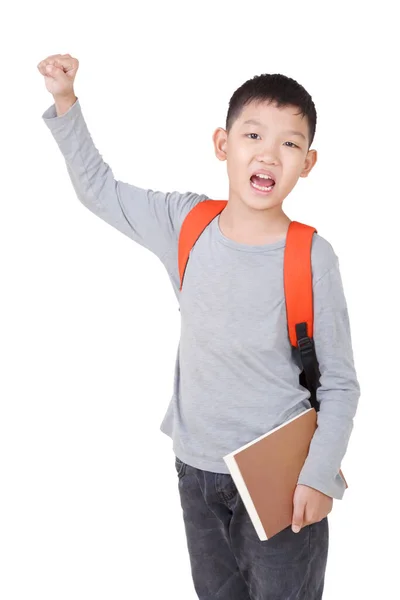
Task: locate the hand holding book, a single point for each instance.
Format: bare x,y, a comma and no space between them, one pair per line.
266,473
309,506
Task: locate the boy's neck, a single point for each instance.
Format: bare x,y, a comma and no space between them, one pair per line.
254,227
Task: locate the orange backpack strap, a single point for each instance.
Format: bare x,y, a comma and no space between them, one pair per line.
193,226
298,285
298,279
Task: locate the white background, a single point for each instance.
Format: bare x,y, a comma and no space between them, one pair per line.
89,505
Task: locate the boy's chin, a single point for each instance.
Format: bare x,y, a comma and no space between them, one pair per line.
260,203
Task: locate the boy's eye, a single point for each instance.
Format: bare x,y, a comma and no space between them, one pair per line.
292,146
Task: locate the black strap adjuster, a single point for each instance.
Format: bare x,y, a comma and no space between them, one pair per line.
309,361
305,344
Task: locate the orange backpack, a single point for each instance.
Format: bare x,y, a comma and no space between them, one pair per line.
297,283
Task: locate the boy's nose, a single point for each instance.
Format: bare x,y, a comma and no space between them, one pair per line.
267,158
268,154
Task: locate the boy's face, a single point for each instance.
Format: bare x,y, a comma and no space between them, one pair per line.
268,145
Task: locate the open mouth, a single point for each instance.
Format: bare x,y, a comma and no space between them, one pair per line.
262,184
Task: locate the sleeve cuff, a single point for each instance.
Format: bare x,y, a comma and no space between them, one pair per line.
52,120
334,488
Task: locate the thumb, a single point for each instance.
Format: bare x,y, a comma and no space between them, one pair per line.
57,73
298,515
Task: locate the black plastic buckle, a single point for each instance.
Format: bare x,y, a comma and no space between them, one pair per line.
305,345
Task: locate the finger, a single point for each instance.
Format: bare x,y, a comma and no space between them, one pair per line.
51,70
48,60
52,62
298,517
55,72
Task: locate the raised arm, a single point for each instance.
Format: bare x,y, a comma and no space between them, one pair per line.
150,218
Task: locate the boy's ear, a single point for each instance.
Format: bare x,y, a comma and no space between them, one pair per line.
220,139
310,161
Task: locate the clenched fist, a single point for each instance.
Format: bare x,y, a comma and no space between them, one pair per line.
59,71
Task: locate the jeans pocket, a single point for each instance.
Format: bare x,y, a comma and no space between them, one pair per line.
180,467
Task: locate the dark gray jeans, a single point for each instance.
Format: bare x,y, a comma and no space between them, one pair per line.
229,561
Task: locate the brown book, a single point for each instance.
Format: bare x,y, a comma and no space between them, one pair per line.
266,470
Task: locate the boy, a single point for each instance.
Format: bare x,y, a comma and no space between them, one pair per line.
236,376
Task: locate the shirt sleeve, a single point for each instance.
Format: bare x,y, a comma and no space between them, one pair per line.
339,391
150,218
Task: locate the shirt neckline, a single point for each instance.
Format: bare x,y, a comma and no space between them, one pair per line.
245,247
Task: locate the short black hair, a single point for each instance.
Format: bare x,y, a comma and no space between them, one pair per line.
273,88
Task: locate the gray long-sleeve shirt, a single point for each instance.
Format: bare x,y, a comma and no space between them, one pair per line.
236,375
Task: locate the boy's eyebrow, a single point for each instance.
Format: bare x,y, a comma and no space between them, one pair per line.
291,131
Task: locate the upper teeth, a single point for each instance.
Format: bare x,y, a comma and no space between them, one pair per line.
263,176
